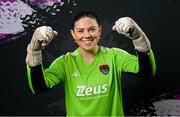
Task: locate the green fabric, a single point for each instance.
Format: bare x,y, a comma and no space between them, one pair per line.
29,78
92,89
88,90
153,63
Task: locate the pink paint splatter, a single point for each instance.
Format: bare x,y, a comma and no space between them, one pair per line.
10,13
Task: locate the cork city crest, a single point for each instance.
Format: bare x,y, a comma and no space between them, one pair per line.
104,69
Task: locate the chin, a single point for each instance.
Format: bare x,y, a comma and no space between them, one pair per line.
89,48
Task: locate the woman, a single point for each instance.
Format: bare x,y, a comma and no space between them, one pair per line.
91,74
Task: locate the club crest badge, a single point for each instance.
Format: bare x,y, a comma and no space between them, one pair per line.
104,69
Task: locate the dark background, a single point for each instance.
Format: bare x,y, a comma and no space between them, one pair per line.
159,19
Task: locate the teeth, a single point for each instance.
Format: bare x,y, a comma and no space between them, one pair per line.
86,40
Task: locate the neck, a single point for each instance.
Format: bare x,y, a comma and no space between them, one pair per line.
89,56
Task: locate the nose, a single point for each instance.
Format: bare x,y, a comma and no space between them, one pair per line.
87,34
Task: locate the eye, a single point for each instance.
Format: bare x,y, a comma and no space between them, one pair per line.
80,31
92,29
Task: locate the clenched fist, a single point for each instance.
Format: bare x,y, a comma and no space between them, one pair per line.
40,39
130,29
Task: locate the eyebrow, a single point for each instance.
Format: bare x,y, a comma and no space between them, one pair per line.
83,28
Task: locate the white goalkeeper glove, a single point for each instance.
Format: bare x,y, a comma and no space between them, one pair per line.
130,29
41,38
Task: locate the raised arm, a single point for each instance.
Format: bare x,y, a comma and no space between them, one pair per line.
130,29
40,39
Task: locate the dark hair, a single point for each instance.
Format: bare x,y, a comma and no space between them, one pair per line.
83,14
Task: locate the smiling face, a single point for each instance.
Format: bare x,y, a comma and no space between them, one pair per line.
86,33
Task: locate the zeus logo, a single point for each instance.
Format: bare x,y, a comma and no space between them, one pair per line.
87,91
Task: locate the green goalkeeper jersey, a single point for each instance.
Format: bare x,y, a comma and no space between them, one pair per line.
92,89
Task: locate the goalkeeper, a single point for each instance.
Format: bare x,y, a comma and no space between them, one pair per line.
92,74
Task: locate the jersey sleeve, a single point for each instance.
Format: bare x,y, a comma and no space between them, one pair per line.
142,64
55,74
126,62
41,80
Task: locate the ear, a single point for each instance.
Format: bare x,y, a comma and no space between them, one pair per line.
72,33
100,30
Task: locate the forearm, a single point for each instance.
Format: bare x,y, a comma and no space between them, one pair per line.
147,65
36,79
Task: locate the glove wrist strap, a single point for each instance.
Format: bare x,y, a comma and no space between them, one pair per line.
34,58
142,43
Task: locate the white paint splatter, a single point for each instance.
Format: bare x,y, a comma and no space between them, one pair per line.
10,14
